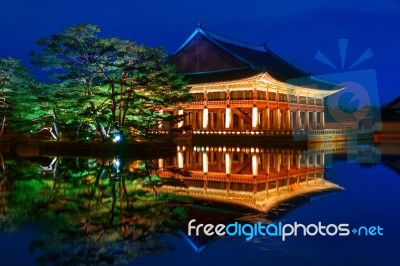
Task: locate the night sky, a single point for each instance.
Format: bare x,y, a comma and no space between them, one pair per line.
296,30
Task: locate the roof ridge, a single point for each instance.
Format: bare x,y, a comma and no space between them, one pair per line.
392,102
217,71
230,40
284,61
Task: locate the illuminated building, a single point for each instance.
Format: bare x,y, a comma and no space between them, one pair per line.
241,86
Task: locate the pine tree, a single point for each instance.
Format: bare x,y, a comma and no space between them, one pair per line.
120,85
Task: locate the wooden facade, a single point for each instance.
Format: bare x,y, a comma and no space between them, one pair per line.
256,178
240,86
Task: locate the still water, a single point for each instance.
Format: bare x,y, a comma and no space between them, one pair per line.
107,211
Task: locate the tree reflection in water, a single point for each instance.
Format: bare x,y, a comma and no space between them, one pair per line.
101,211
113,210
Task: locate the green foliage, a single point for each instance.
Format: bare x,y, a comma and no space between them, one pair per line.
104,86
16,93
119,85
93,208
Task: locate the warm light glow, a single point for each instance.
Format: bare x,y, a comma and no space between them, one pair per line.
228,116
180,112
254,164
160,163
205,117
180,159
228,163
160,112
205,162
254,117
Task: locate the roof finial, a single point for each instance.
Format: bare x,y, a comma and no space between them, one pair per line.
199,25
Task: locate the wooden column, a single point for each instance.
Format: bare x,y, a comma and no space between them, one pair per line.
205,118
307,119
180,159
205,162
278,118
180,112
287,123
263,122
254,164
219,119
241,158
228,163
228,118
187,121
212,123
241,123
298,158
288,162
174,113
298,120
291,120
193,119
187,158
307,161
314,114
254,117
200,120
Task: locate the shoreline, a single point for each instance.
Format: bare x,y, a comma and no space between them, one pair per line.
22,147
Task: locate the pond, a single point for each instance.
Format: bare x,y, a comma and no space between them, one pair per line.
72,210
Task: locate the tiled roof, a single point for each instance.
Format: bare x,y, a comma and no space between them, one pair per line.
220,76
255,57
217,58
261,58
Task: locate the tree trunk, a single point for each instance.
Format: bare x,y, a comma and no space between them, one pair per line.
114,102
100,127
55,125
3,124
122,101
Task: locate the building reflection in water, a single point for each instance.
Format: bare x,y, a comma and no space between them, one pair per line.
256,178
110,209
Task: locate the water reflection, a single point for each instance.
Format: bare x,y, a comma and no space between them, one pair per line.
114,210
100,210
255,178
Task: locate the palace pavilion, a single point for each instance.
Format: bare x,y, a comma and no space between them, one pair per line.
241,86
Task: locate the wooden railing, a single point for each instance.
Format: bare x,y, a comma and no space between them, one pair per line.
247,103
243,178
266,132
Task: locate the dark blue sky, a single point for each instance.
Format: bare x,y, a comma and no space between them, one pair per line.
296,30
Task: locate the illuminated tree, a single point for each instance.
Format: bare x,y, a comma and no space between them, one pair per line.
15,87
99,210
120,84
